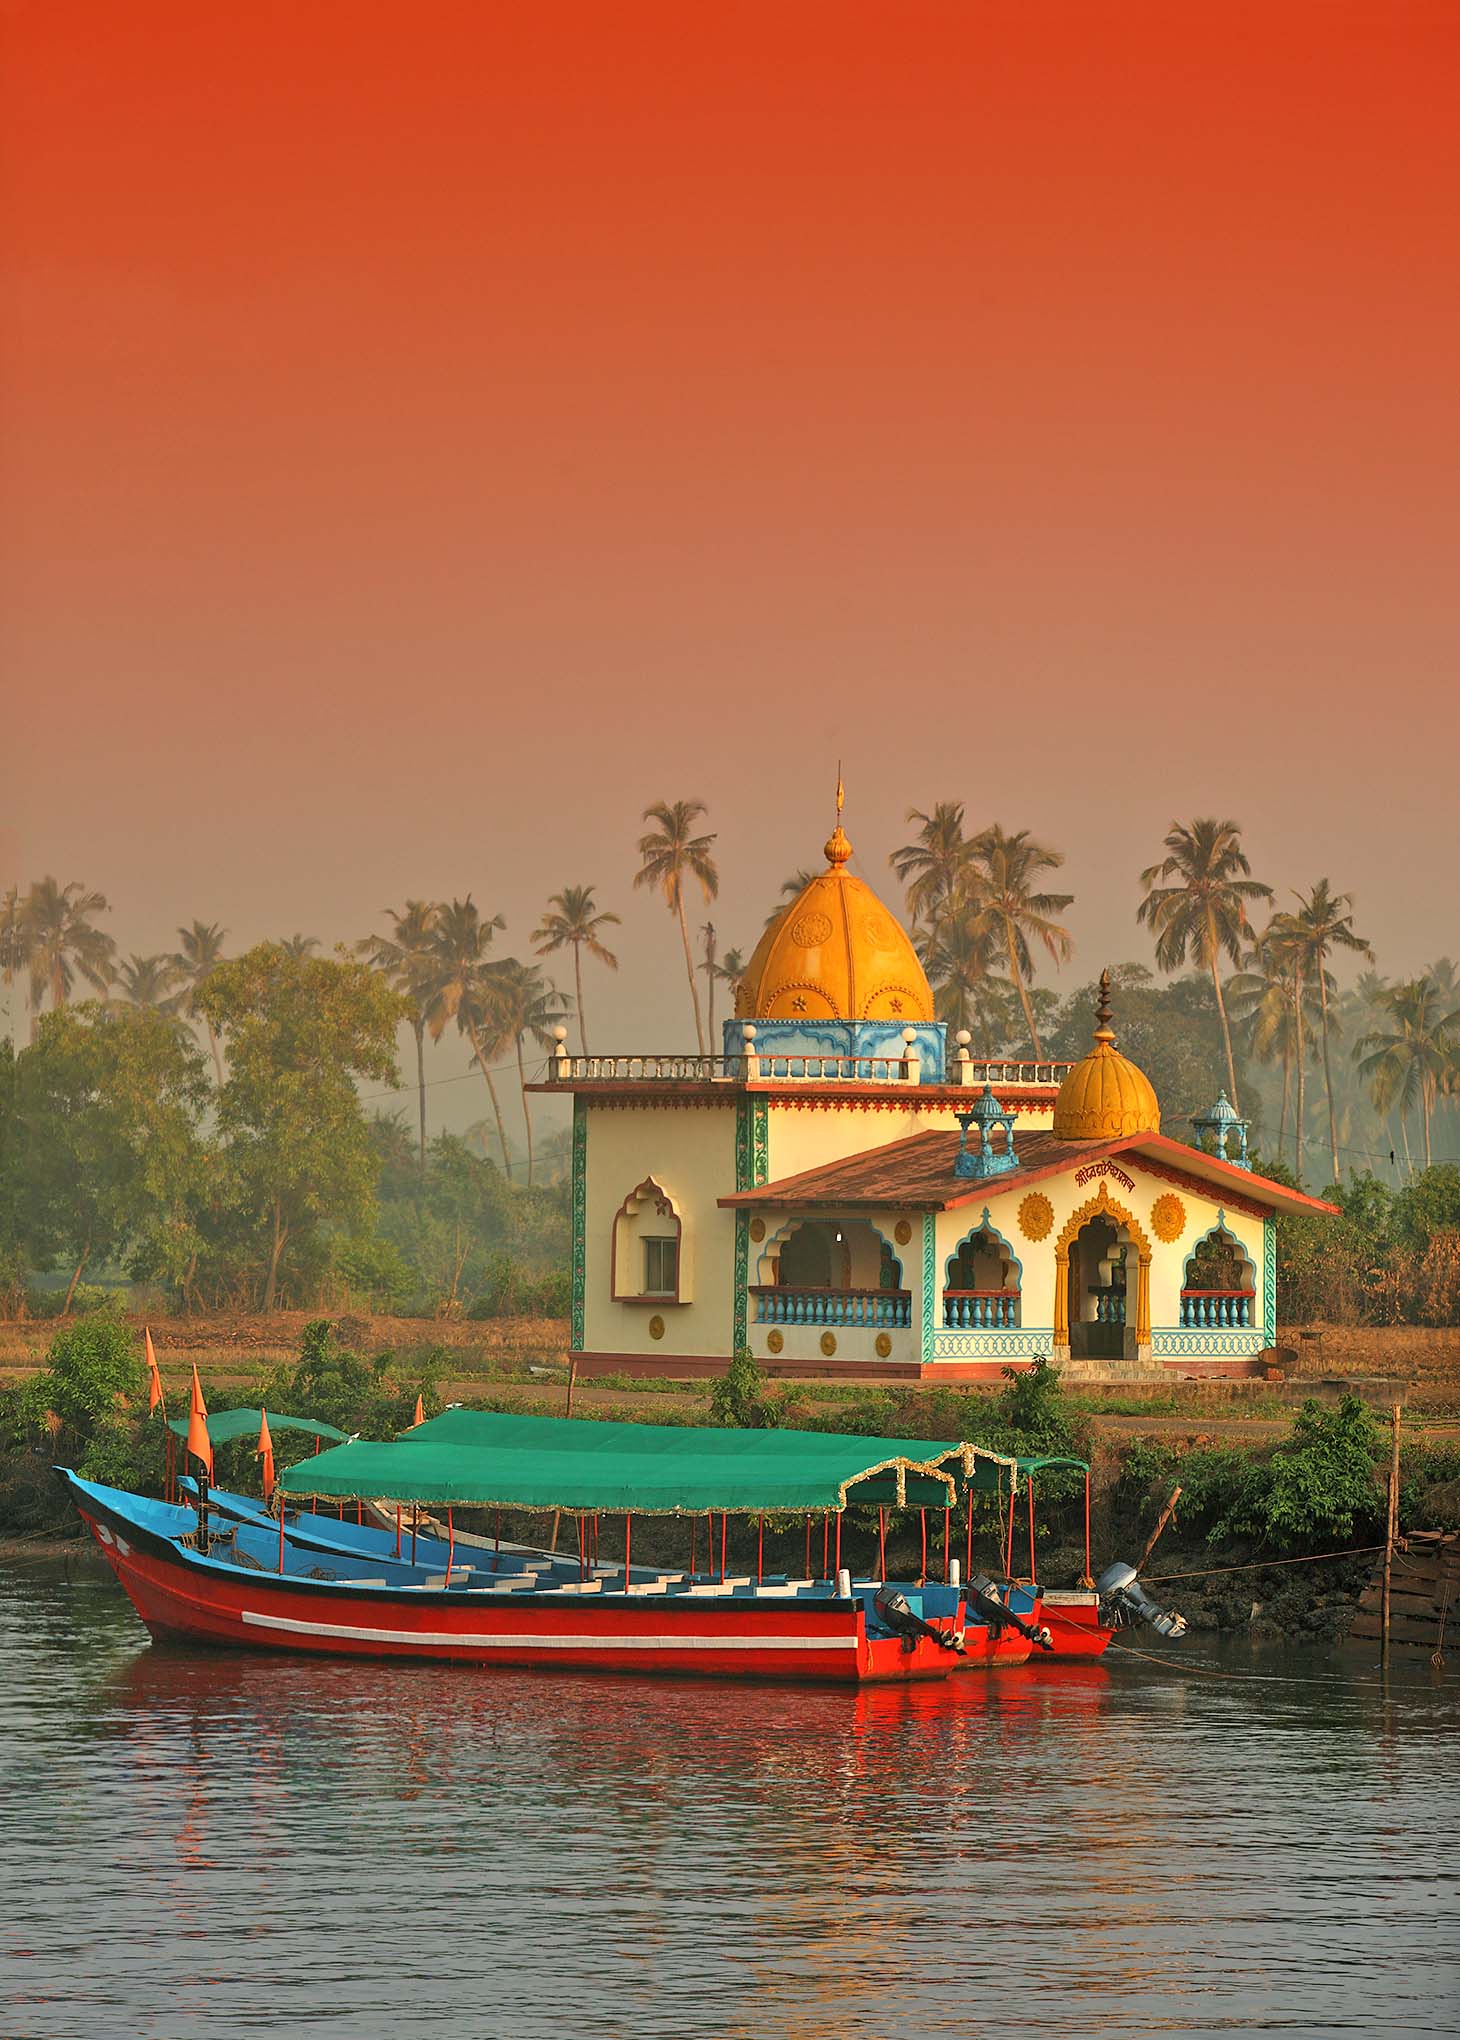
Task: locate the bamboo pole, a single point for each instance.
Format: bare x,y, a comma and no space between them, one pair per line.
1161,1521
1390,1529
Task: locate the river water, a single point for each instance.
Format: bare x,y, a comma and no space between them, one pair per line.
195,1844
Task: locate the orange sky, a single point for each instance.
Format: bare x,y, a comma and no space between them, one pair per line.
435,432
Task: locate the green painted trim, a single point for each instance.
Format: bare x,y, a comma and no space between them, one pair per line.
752,1168
580,1222
1269,1279
930,1277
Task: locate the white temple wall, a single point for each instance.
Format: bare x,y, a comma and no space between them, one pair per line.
690,1154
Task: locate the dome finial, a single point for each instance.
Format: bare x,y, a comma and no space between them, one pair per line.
1103,1030
837,847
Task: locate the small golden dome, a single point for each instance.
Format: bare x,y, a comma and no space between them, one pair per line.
1106,1095
836,953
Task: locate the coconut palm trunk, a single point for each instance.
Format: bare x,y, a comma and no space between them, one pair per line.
418,1028
1282,1140
1328,1074
689,965
1300,1051
526,1109
481,1062
1023,990
578,988
1222,1016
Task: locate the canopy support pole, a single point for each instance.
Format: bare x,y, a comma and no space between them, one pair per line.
808,1544
760,1551
724,1540
281,1535
838,1540
968,1568
882,1544
450,1543
1029,1483
415,1526
825,1543
497,1547
694,1532
1009,1538
628,1549
923,1526
947,1533
397,1529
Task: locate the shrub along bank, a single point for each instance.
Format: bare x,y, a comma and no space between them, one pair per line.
1251,1532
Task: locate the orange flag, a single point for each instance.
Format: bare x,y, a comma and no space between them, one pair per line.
199,1443
154,1378
419,1417
265,1450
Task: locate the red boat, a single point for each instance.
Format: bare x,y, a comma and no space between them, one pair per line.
259,1590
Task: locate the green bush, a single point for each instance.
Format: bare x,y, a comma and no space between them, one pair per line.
372,1397
1320,1487
738,1399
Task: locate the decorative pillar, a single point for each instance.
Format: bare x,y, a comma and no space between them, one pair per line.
1143,1306
1062,1303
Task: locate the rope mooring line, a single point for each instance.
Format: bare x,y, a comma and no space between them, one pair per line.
1264,1564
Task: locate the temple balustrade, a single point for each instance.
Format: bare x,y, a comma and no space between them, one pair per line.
980,1310
1216,1309
776,1304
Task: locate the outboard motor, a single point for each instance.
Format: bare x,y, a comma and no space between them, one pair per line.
1123,1600
984,1601
895,1610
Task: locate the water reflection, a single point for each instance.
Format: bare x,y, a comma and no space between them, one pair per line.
195,1842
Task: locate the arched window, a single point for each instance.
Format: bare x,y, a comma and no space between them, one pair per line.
981,1282
1220,1285
648,1248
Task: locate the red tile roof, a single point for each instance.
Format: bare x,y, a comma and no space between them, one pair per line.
916,1174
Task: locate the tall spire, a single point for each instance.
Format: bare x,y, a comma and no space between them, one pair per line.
1102,1011
837,847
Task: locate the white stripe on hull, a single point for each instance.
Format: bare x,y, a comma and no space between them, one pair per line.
557,1640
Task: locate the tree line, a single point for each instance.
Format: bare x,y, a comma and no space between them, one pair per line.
984,913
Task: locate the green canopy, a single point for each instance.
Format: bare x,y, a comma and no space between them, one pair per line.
649,1469
226,1425
976,1466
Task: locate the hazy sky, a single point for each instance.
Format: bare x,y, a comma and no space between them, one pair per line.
436,431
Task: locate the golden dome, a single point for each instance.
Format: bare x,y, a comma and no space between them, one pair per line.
836,953
1105,1096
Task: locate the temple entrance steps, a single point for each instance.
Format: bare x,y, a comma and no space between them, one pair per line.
1111,1370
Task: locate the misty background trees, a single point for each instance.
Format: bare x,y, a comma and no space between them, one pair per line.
228,1129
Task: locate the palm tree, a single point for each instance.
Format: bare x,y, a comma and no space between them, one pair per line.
729,970
1325,919
62,943
147,981
572,920
406,959
1260,999
1412,1056
1004,870
1205,911
961,950
937,863
791,889
299,945
1287,940
526,1003
671,852
197,956
14,941
461,987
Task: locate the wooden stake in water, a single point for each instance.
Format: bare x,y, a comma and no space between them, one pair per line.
1390,1531
1161,1521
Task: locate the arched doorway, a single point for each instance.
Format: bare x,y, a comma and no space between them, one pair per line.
1102,1302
